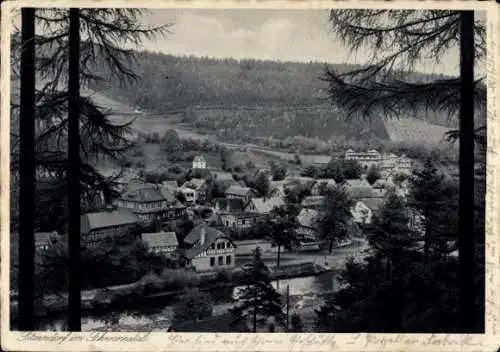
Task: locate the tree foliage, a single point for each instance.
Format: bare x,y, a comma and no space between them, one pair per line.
193,305
107,30
373,174
258,300
335,216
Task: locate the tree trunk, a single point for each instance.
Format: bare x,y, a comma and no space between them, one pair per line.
466,192
427,243
74,277
26,254
255,318
279,256
331,246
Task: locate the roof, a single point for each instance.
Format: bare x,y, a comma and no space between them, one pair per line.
238,190
356,183
160,239
194,236
199,159
307,217
277,185
265,205
374,204
230,204
241,214
219,323
328,181
194,183
305,181
170,184
221,175
147,193
103,219
312,201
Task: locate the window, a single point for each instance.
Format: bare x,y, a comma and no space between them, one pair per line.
212,261
218,245
223,245
228,260
221,260
212,246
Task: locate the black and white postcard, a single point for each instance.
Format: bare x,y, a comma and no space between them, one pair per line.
249,176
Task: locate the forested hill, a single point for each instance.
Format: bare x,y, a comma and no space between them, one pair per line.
264,98
173,82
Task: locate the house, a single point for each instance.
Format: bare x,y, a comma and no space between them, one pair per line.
238,221
277,189
321,184
199,162
113,223
229,205
392,165
264,205
194,190
364,209
211,249
161,242
313,202
247,247
381,187
216,324
171,186
219,175
244,193
306,182
366,159
307,220
151,202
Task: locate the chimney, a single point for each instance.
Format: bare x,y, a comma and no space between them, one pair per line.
202,236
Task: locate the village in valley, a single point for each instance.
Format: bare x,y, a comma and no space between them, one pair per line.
156,208
207,228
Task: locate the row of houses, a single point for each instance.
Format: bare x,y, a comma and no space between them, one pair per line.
390,164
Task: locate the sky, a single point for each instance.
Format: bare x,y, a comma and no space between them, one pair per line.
285,35
270,34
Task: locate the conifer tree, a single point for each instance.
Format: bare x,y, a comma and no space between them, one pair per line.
433,197
335,216
26,246
400,40
258,300
86,130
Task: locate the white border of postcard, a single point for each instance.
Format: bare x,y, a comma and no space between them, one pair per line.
63,341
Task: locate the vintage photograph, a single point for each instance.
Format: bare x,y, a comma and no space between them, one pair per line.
247,170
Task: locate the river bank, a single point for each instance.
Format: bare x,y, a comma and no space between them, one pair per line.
121,297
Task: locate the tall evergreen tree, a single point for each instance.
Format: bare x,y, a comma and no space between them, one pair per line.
61,114
262,184
26,247
335,216
282,230
384,86
433,197
74,275
258,299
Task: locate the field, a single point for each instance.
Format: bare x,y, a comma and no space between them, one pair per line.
413,130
